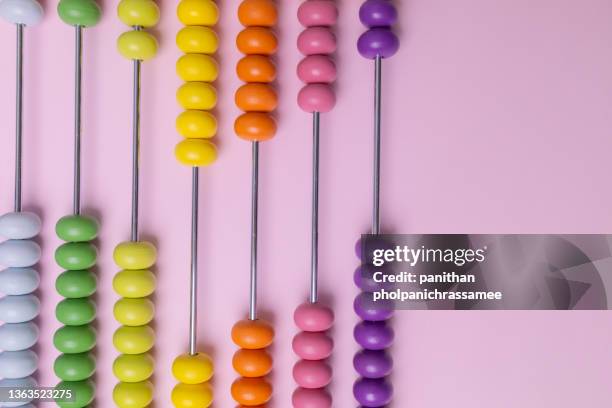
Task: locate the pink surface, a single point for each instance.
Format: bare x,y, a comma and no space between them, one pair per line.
497,119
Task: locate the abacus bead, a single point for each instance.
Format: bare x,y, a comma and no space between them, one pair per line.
261,13
316,40
19,225
28,12
196,124
197,39
133,368
19,309
197,95
255,126
142,13
137,45
27,382
75,312
135,255
133,395
374,335
75,339
378,13
77,228
373,363
197,67
317,68
312,374
195,152
84,13
198,12
313,317
192,369
251,391
311,398
364,278
76,284
374,311
134,340
74,367
18,281
256,97
192,395
17,364
317,98
378,41
252,334
312,346
83,391
257,40
76,255
318,13
134,312
256,68
372,392
18,336
252,363
19,253
134,283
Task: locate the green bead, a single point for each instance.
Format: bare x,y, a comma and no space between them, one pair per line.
82,391
76,284
84,13
76,255
77,228
75,312
74,367
75,339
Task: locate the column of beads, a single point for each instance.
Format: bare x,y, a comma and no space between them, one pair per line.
19,253
135,282
257,98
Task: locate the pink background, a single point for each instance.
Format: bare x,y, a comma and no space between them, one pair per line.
497,119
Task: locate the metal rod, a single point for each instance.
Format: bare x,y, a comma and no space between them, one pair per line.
254,199
135,150
78,64
314,254
19,117
193,288
377,121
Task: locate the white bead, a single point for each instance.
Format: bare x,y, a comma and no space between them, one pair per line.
18,281
18,364
20,225
28,12
19,309
18,336
19,253
27,382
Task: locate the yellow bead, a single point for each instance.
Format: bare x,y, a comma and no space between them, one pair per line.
197,39
192,395
192,369
197,67
135,255
133,395
134,340
134,283
133,368
197,95
196,124
198,12
195,152
137,45
134,312
144,13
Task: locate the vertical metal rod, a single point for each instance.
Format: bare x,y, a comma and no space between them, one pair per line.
377,142
18,117
78,63
314,257
254,199
135,150
193,289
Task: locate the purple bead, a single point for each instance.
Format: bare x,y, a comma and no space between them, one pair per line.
373,393
366,308
374,335
372,242
378,13
373,363
378,41
364,278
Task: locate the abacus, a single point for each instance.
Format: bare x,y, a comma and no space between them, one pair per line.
374,334
257,98
135,282
197,96
318,71
76,339
19,253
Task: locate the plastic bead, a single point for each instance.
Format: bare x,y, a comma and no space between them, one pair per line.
192,395
20,225
19,253
192,369
133,368
318,13
198,12
378,13
74,367
134,340
257,40
135,255
85,13
373,363
197,95
261,13
251,391
27,12
312,346
196,124
195,152
312,374
197,39
311,398
17,364
317,98
373,335
378,41
75,312
197,67
75,339
137,45
76,255
372,392
255,126
313,317
364,278
76,284
256,97
77,228
316,40
252,334
18,336
366,308
256,68
134,283
134,312
83,391
142,13
252,363
19,309
133,395
18,281
317,68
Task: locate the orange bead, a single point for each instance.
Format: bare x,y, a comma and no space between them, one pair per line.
257,40
255,126
252,363
252,334
256,97
251,391
257,13
256,68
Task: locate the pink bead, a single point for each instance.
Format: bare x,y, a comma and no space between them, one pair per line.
313,317
316,40
318,13
317,398
317,68
317,98
312,374
313,346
